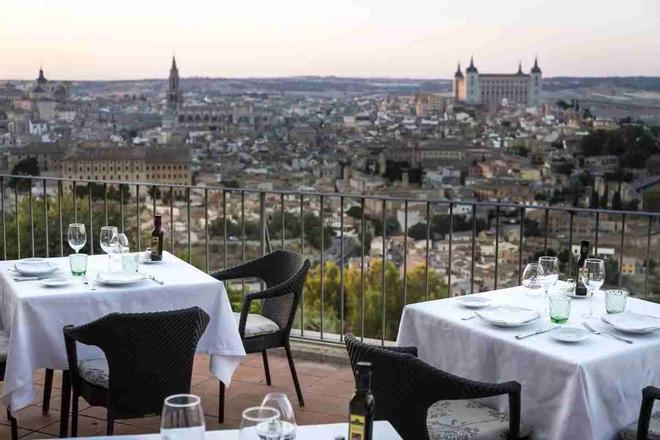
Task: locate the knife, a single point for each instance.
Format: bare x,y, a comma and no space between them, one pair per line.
611,335
19,279
537,332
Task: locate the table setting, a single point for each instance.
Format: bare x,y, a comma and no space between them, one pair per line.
39,296
582,360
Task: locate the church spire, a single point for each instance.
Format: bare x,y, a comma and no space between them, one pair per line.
173,63
536,68
471,68
520,72
41,79
459,73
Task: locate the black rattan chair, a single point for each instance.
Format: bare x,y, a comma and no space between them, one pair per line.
148,356
284,273
4,344
648,425
405,390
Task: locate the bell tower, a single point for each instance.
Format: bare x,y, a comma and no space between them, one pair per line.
174,97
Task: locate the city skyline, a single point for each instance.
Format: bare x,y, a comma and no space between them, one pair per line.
76,41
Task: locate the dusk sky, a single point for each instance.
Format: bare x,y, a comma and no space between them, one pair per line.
129,39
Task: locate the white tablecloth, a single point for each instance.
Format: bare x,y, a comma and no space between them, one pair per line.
34,316
382,431
581,391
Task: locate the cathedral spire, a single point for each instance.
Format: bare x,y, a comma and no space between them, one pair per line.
536,68
471,68
520,72
459,73
41,79
173,63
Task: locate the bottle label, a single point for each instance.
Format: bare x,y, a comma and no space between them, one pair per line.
356,428
155,246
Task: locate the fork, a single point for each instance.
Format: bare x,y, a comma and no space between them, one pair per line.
466,318
153,278
611,335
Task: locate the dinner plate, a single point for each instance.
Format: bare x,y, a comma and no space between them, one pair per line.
120,278
474,302
574,296
632,322
34,267
55,282
570,334
508,316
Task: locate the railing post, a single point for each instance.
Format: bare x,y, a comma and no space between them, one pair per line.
341,268
321,215
383,277
262,222
570,244
426,258
597,227
2,208
497,242
91,219
520,245
45,195
224,226
188,224
283,217
302,252
30,204
171,219
545,235
474,239
137,214
105,202
362,280
206,229
74,195
648,258
621,244
405,254
18,221
59,215
121,205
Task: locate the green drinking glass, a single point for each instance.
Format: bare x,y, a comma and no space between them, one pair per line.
78,263
560,308
615,300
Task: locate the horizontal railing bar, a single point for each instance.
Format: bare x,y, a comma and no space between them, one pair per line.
359,196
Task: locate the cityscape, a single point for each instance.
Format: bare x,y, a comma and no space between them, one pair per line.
451,209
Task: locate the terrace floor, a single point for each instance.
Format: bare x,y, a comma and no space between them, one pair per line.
327,389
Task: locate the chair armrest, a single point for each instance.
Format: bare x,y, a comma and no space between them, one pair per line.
649,396
245,270
273,292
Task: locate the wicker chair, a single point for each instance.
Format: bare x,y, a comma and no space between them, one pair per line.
148,356
284,273
406,389
4,344
648,425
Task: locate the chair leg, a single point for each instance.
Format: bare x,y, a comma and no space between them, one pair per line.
221,403
14,425
111,425
301,401
265,356
48,386
66,398
74,414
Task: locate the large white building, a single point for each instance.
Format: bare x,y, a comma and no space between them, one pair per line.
492,89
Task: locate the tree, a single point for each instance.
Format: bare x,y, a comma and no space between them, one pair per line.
25,167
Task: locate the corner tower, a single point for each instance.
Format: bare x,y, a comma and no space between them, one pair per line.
535,84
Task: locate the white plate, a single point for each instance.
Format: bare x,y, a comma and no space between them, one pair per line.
574,296
474,302
55,282
631,322
508,316
120,278
34,267
570,334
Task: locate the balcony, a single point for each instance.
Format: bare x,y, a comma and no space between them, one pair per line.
432,249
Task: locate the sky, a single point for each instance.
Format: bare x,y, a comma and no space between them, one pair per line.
134,39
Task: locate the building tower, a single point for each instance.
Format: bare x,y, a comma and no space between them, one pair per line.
472,84
535,84
174,97
459,84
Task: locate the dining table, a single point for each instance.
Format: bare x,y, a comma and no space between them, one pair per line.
33,314
585,389
383,430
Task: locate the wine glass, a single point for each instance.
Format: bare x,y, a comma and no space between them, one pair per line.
550,266
77,236
105,240
593,277
182,418
119,246
281,402
260,423
532,278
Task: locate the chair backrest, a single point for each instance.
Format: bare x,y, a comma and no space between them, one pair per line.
395,386
150,355
287,271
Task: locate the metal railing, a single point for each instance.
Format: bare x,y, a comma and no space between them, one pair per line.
214,254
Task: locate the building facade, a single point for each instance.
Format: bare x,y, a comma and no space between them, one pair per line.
491,89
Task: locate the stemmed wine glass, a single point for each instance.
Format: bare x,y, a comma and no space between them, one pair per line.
593,277
532,278
77,236
182,417
260,423
281,402
105,240
550,266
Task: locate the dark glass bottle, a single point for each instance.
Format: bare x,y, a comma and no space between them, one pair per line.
580,288
157,240
363,406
